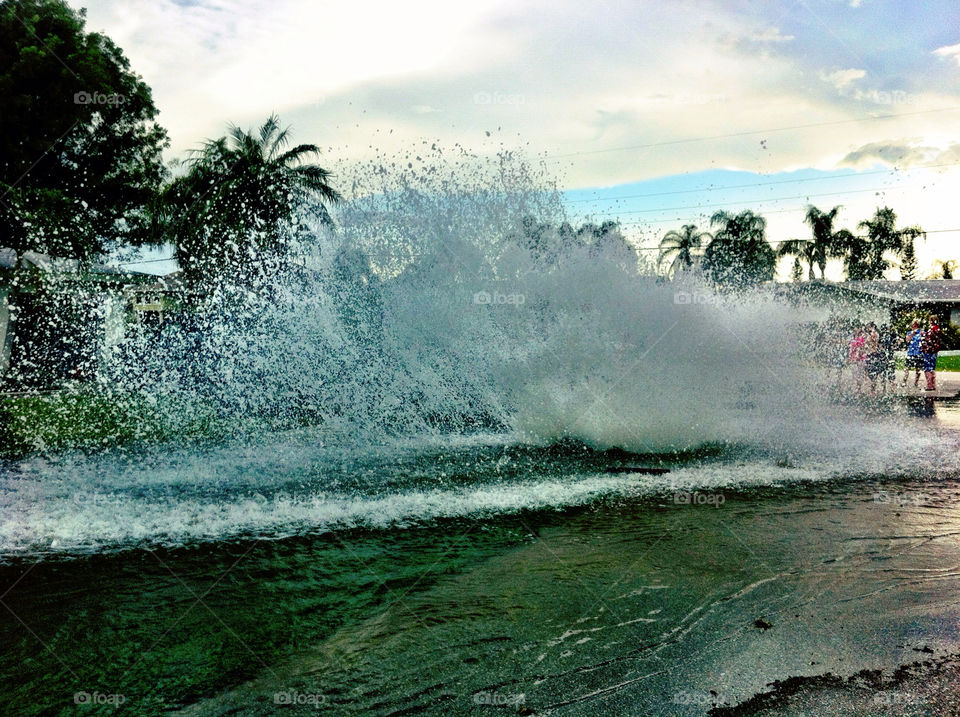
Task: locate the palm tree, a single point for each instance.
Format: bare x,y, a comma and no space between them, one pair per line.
826,242
241,206
943,269
739,253
883,237
855,251
677,248
799,249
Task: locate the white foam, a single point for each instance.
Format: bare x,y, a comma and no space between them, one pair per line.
77,505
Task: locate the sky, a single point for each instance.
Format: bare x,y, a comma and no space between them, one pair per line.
653,112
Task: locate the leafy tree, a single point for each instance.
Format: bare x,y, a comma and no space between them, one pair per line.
678,247
799,249
609,241
796,271
539,239
80,152
548,244
239,211
868,255
908,263
826,242
908,255
739,253
943,269
856,258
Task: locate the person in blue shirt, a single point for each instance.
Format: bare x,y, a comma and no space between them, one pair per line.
930,347
914,353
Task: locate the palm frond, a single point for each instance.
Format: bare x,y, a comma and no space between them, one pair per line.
269,128
297,154
794,247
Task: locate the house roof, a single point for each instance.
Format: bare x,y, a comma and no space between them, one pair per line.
910,292
70,268
55,265
172,282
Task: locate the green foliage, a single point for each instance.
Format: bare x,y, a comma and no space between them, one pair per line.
826,242
908,263
949,333
797,271
548,243
95,421
80,152
239,211
943,269
948,363
678,247
798,249
739,254
866,257
950,337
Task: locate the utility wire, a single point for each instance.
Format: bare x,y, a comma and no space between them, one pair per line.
750,132
751,201
758,184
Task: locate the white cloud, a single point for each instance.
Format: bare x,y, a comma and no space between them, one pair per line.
841,79
680,85
949,51
892,153
217,61
771,35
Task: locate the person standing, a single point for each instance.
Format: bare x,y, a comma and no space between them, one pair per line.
874,359
914,358
857,357
930,347
839,342
888,342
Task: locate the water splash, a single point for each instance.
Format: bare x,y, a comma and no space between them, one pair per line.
449,301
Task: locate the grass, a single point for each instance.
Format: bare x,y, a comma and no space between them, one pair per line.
88,420
944,363
948,363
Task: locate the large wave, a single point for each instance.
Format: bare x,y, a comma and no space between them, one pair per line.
450,297
449,301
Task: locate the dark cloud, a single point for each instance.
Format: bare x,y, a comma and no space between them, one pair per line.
901,154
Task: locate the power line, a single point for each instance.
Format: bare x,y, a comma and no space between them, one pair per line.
748,133
750,201
929,231
759,184
145,261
